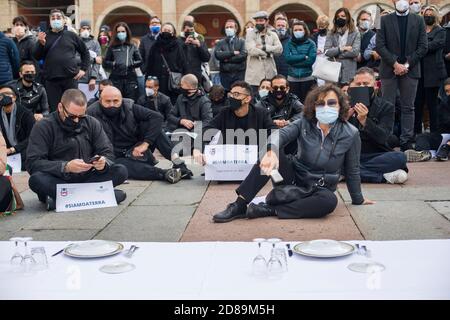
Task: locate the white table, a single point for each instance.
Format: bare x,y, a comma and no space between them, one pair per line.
222,270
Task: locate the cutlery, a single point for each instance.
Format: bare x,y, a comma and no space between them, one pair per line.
290,253
56,253
130,251
367,252
358,249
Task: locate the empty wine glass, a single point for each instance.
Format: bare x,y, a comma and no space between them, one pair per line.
274,266
259,265
28,261
367,266
17,257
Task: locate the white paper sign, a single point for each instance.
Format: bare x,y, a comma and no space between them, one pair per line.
15,162
228,162
84,87
84,196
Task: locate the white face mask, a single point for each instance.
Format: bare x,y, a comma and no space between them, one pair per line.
401,6
19,31
364,24
149,92
85,34
415,7
250,29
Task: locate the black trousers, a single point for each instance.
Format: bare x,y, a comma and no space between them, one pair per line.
428,141
55,90
5,193
318,205
301,89
128,86
44,184
429,97
227,79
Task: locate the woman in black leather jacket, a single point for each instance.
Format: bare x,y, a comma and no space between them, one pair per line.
122,58
326,143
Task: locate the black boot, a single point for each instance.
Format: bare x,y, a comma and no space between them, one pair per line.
185,172
233,211
261,210
120,195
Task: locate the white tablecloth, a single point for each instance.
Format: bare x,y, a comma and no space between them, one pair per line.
222,270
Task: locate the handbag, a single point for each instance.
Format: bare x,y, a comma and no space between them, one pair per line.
327,70
174,84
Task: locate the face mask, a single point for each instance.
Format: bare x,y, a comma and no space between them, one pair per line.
85,34
149,92
299,34
235,104
323,32
260,27
166,35
327,115
111,112
5,100
341,22
401,6
230,32
155,29
281,31
121,36
429,20
56,24
19,31
29,77
279,94
415,8
263,93
188,93
364,25
71,125
250,29
103,40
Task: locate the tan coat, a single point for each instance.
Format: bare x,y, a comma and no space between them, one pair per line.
2,155
260,65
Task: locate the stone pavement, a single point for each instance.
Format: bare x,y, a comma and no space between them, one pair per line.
157,211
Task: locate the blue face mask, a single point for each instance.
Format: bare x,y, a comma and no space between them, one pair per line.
56,24
327,115
299,34
281,31
230,32
155,29
121,36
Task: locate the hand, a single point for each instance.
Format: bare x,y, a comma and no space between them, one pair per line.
236,53
359,58
259,46
42,38
38,116
77,166
98,60
347,48
139,150
375,56
281,123
80,75
92,85
447,56
362,112
319,51
399,69
187,123
199,157
100,164
269,162
368,202
196,42
11,150
350,113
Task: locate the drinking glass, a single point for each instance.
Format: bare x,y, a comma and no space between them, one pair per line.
275,267
259,265
17,257
40,257
28,261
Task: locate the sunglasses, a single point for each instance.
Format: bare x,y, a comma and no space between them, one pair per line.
282,88
73,116
332,103
152,78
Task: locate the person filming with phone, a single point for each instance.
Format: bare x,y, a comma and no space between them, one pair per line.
70,147
374,118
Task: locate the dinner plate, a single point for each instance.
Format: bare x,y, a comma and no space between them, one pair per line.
93,249
118,267
324,248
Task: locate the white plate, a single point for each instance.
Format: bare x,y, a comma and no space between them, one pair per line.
93,249
118,267
324,248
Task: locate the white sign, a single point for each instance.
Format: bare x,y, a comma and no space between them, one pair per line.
15,162
228,162
84,196
84,87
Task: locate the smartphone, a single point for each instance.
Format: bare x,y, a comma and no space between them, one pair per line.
276,176
43,26
93,159
359,95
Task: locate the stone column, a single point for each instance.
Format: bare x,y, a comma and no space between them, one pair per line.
251,7
334,5
169,11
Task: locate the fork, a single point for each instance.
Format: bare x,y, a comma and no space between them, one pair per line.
130,251
367,252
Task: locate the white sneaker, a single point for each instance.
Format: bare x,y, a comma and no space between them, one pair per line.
398,176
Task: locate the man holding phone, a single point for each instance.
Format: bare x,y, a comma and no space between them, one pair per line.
374,117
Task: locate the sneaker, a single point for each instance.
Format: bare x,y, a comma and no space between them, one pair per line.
417,156
50,203
396,177
120,195
442,154
173,175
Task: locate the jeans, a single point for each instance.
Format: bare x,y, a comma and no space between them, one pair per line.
5,193
374,165
227,79
55,90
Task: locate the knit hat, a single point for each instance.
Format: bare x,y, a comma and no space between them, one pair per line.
85,23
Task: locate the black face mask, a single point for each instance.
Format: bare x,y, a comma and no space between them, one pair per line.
323,32
166,36
5,100
341,22
111,112
235,104
260,27
188,93
429,20
279,94
29,77
72,126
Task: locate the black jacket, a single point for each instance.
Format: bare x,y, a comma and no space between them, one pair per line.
378,128
197,108
51,146
60,57
25,47
24,125
365,40
447,47
229,62
218,106
195,56
315,158
433,65
258,119
444,117
280,61
122,60
35,100
161,104
145,47
290,109
137,125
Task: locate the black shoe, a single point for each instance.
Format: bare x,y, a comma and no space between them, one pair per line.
185,172
172,175
442,154
261,210
233,211
50,204
120,195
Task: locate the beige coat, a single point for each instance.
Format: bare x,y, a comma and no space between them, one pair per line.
2,155
261,64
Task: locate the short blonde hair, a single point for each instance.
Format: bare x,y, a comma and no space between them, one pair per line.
435,13
323,20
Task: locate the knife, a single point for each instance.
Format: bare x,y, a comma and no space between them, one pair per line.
55,254
290,253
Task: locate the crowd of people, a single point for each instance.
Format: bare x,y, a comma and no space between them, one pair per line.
364,127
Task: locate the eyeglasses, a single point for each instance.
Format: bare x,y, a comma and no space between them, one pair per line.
282,88
237,94
73,116
332,103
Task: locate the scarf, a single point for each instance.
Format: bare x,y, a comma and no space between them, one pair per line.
10,126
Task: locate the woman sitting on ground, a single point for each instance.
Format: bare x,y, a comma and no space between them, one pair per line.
5,184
